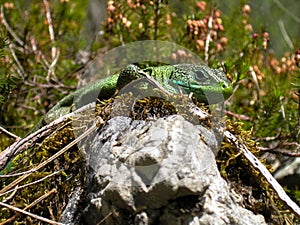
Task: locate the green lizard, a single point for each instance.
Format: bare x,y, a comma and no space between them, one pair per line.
207,85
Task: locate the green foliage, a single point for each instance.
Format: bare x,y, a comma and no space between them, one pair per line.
7,82
37,69
246,180
66,172
38,42
262,80
136,21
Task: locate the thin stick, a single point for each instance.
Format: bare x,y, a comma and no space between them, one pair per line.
206,50
54,50
50,27
54,86
105,218
38,53
3,130
288,12
30,214
265,172
30,205
12,33
52,66
11,196
20,69
31,183
285,35
28,141
63,150
239,116
15,174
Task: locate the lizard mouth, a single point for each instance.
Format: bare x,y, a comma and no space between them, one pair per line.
207,93
218,88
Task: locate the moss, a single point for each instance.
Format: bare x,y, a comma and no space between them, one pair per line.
244,179
69,173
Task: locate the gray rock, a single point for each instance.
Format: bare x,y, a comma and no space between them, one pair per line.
158,172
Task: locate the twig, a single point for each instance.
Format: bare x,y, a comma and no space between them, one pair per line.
27,107
288,12
265,172
20,69
280,151
272,138
17,39
54,51
30,205
239,116
105,218
206,50
15,174
38,53
33,47
12,33
54,86
50,28
285,34
26,142
30,214
291,144
10,30
3,130
7,199
60,152
52,66
254,76
31,183
276,149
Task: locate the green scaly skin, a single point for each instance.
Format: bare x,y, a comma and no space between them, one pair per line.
207,85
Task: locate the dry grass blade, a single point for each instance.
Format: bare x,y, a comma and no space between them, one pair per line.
26,142
265,172
30,205
30,214
63,150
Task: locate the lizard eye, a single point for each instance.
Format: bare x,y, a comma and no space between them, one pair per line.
224,85
200,76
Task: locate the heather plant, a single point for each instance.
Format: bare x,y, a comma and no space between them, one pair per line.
263,98
38,44
38,65
38,60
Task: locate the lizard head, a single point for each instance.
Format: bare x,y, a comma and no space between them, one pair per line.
207,85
